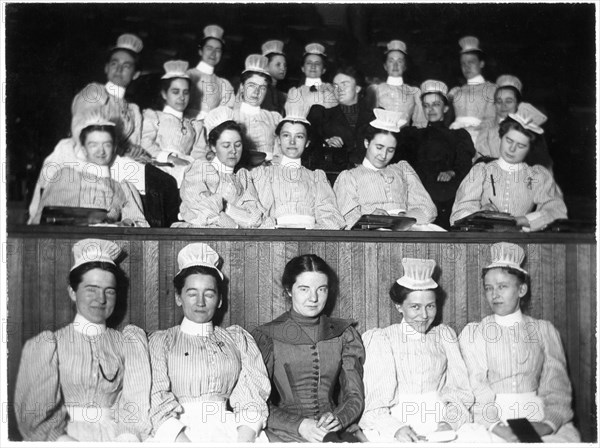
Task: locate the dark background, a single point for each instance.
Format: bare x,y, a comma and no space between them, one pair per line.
53,50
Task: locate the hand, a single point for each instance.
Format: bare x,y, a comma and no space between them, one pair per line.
334,142
522,221
177,161
182,438
245,434
127,222
66,438
446,176
329,422
380,211
443,426
406,434
543,429
139,154
309,430
504,431
490,206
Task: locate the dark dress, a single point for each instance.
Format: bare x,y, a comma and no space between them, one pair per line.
435,149
307,359
274,100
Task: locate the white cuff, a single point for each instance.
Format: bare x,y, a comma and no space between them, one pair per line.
253,420
169,430
163,156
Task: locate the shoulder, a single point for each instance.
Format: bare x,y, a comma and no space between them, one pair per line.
151,114
335,327
376,337
446,333
162,338
134,332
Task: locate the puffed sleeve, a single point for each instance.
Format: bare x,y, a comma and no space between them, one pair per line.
200,148
199,205
482,144
92,96
249,397
555,387
472,346
418,117
488,114
134,401
352,401
465,151
469,193
346,193
278,418
246,211
164,407
381,385
456,393
547,197
132,207
327,215
150,135
135,137
419,204
39,407
263,183
227,94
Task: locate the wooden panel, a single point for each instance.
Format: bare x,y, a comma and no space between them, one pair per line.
345,301
251,295
265,283
358,285
586,330
64,308
547,284
371,290
384,277
31,292
149,313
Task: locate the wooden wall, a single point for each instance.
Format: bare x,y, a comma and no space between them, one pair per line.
563,281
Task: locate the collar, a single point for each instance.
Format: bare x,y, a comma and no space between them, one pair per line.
510,320
92,169
286,161
287,330
395,80
221,167
309,82
115,90
476,80
248,109
369,165
510,167
205,68
409,332
87,328
195,329
175,113
436,124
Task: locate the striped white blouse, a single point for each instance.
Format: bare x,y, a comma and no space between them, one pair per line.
71,368
488,142
525,357
361,190
404,99
223,364
518,189
399,362
258,126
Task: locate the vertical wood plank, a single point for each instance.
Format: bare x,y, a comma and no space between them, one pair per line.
534,268
384,283
47,277
371,291
560,290
459,255
331,256
345,278
31,292
265,283
236,283
472,283
396,255
546,291
358,285
64,309
445,262
583,399
149,313
280,303
574,306
16,314
251,292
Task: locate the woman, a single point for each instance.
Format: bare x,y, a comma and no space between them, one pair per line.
308,356
416,383
89,184
394,94
510,184
474,101
506,101
199,370
277,68
212,193
258,124
166,135
209,91
517,366
292,195
92,382
440,156
378,187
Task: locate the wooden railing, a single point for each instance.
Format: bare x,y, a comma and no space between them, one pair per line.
562,268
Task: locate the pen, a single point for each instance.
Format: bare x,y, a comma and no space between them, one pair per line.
493,186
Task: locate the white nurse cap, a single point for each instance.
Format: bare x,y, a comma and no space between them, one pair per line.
507,255
175,69
272,46
388,120
198,254
256,63
417,274
529,117
92,249
129,42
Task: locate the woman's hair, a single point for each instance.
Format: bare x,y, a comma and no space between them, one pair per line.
179,280
480,54
538,153
165,84
308,263
136,57
229,125
522,278
272,55
96,127
399,293
284,121
323,59
518,96
442,97
353,72
76,275
249,74
371,132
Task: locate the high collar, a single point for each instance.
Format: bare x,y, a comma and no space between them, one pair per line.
175,113
115,90
510,167
92,169
248,109
195,329
369,165
476,80
395,80
221,167
409,331
436,124
87,328
286,161
309,82
304,320
205,68
509,320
